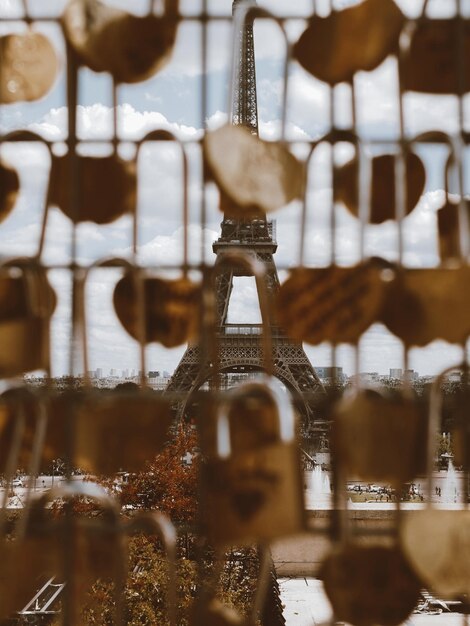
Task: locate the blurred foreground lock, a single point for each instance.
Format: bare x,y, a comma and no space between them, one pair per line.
370,585
380,438
27,302
252,481
129,47
28,67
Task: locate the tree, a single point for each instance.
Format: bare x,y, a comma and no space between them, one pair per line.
168,484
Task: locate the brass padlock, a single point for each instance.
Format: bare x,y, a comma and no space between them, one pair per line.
378,437
369,585
27,302
431,63
253,174
253,463
382,201
28,66
47,546
422,305
113,430
154,309
436,542
120,429
453,217
335,304
105,189
354,39
131,48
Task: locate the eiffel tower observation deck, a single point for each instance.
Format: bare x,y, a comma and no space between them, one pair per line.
240,345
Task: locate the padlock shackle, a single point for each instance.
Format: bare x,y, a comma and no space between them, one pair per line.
82,316
332,138
29,136
158,136
280,399
435,411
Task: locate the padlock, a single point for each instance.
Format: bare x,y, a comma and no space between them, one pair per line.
335,304
453,216
28,66
431,63
252,173
170,313
383,201
354,39
422,305
253,463
114,430
254,176
27,302
9,188
369,585
131,48
436,541
71,548
23,425
105,189
379,437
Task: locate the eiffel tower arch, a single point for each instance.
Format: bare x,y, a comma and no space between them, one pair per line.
240,345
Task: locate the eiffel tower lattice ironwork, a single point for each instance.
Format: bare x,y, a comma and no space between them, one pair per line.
240,345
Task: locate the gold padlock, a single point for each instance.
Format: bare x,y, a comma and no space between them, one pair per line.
71,548
354,39
27,302
155,309
131,48
379,437
369,585
431,64
105,188
28,66
253,463
436,541
130,422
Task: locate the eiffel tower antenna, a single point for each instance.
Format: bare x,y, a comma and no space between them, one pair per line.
244,101
240,345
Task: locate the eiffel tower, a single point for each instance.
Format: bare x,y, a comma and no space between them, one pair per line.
240,345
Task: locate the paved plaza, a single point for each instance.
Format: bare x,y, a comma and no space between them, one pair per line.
305,604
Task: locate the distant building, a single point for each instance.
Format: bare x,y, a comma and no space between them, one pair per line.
396,372
411,375
125,373
113,372
154,374
365,378
99,372
158,383
329,374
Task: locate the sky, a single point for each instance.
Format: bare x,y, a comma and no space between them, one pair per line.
172,100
